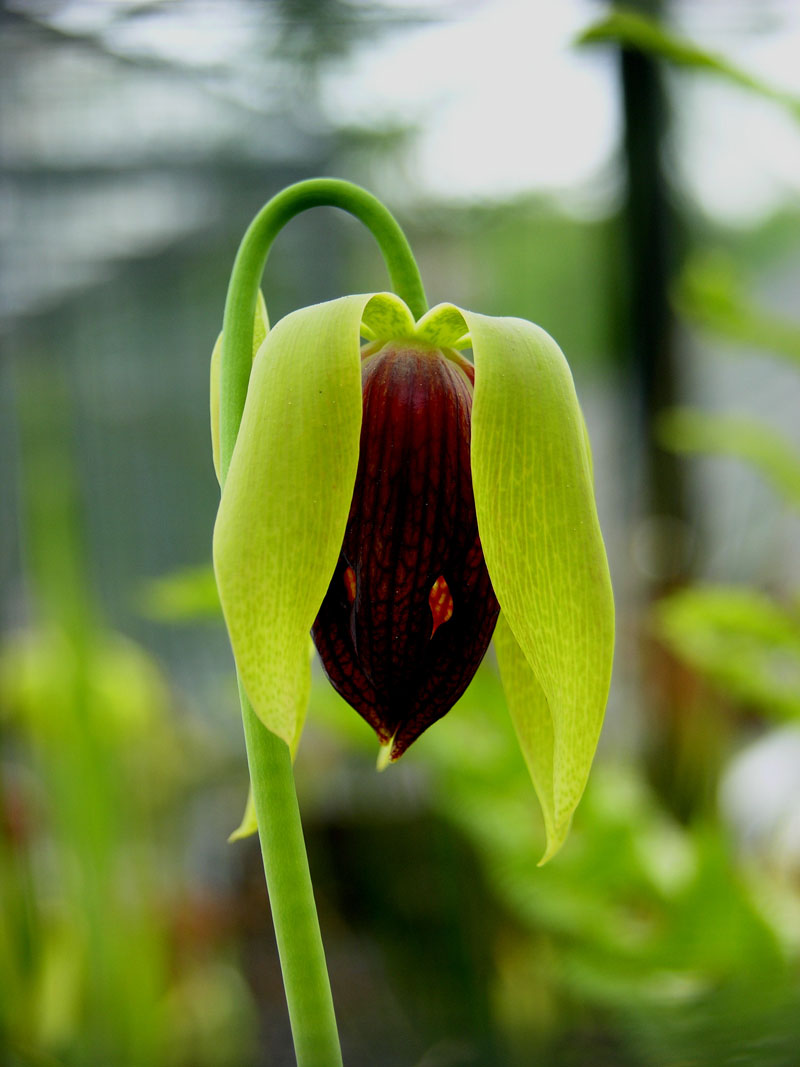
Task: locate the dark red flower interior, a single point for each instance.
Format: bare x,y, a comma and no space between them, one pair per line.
410,611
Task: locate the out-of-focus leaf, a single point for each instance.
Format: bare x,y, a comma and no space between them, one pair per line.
124,689
56,692
184,594
741,640
711,295
621,920
632,30
691,431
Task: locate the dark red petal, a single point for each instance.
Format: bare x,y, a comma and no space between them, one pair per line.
412,524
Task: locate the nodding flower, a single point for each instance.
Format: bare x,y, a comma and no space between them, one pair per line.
410,610
403,504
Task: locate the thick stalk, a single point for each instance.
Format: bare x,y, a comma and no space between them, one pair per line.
291,894
294,913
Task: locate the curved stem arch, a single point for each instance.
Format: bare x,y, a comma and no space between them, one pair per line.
240,305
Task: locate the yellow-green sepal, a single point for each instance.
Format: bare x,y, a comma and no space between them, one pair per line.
533,724
286,500
260,331
387,319
442,326
541,539
249,824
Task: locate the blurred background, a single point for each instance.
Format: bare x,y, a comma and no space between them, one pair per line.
629,179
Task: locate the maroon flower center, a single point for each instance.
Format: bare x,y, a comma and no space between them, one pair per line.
410,611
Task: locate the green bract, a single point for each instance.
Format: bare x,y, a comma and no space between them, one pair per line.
287,496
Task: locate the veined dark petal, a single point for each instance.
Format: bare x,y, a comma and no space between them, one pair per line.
410,611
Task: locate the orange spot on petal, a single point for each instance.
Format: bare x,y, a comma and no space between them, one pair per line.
350,584
441,603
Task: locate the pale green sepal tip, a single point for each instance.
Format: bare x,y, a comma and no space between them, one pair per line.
533,724
544,551
260,331
249,824
442,326
286,500
387,318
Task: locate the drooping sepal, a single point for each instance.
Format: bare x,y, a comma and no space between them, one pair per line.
541,539
286,499
249,822
533,724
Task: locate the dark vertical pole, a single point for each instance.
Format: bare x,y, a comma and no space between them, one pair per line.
682,752
651,230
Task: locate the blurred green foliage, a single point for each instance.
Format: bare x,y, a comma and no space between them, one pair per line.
634,30
94,766
528,258
641,942
746,642
740,639
711,294
694,432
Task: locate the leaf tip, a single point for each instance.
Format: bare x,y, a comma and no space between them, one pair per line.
556,836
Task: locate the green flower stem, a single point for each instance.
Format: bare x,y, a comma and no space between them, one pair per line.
305,975
240,305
